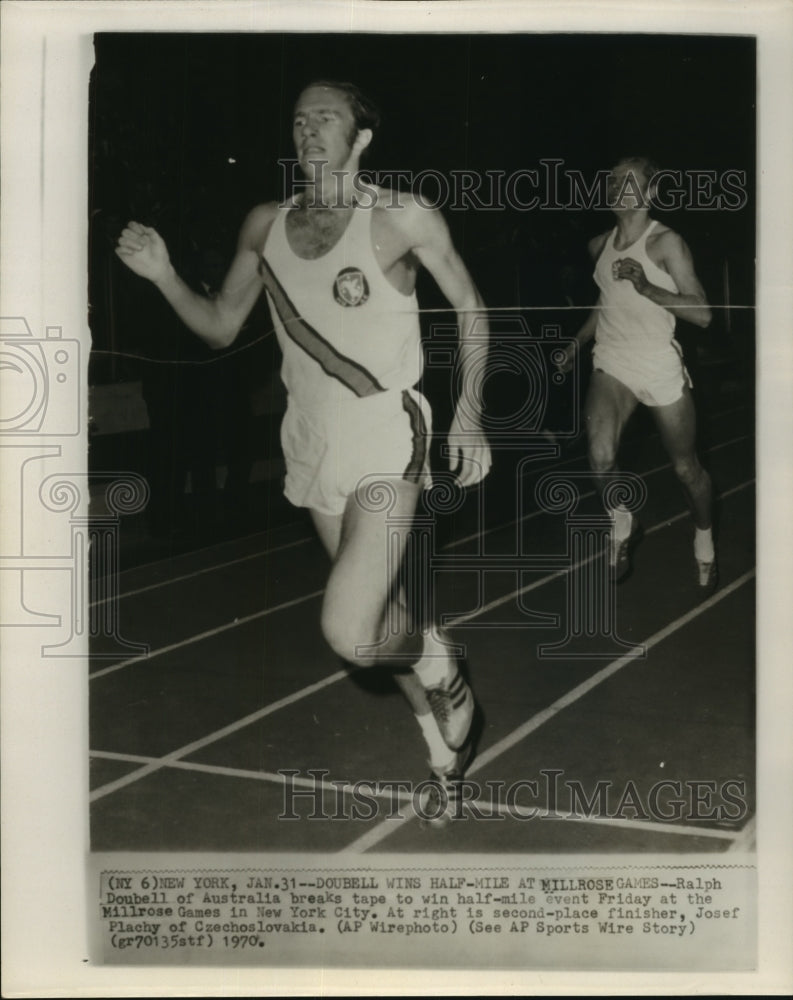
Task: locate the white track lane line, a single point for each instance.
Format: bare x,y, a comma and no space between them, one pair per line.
343,787
208,569
651,826
205,635
159,762
451,622
499,601
303,692
539,512
378,834
187,765
312,538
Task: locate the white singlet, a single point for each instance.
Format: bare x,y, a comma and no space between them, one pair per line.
351,348
634,337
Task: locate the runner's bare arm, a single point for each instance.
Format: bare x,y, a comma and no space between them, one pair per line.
216,321
432,245
689,302
596,245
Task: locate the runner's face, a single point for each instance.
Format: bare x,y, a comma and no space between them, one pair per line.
323,128
626,179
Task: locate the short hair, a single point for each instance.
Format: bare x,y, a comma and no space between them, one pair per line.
646,164
365,112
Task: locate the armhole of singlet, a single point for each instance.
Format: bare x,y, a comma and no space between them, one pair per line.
609,239
646,233
366,236
279,220
663,270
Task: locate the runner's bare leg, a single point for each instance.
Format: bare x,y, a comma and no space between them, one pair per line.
355,541
609,405
677,425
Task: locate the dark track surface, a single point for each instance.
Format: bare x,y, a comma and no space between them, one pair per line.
187,743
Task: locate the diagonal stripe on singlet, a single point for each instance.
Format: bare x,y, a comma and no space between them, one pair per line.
418,429
349,372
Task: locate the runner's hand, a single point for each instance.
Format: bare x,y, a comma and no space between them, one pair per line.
469,452
565,364
631,270
143,250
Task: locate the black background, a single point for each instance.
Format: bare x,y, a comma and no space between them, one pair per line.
168,112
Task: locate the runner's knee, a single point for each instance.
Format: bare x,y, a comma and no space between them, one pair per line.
687,469
602,454
348,638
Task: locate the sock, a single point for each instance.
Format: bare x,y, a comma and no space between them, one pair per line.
623,521
440,755
703,545
433,667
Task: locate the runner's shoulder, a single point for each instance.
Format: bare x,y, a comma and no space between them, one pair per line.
596,244
663,242
403,212
663,235
257,225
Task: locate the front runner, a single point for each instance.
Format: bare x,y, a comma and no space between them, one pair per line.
340,276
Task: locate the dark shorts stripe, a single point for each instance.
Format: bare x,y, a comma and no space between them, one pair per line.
418,426
349,372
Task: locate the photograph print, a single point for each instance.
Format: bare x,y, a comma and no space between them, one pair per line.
427,364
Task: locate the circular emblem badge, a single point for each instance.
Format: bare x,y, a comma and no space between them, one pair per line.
350,287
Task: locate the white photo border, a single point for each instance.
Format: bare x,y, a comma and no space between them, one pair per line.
46,59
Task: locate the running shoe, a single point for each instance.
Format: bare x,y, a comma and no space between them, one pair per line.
707,576
452,704
620,552
442,800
